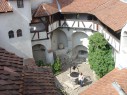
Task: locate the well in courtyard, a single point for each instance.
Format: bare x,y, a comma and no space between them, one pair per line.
68,83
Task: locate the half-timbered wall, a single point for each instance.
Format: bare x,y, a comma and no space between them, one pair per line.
87,24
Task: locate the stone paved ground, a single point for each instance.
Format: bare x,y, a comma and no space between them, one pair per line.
63,77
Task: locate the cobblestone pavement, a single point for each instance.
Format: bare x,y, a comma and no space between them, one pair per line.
63,78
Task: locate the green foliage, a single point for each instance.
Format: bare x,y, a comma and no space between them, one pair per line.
41,63
100,55
56,66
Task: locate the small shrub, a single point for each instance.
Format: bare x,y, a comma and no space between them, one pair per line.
56,66
40,63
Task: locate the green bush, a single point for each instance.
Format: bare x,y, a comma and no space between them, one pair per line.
56,66
100,55
40,63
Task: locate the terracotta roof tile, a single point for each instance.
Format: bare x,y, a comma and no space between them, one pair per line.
47,9
16,79
110,12
104,85
39,82
5,6
8,73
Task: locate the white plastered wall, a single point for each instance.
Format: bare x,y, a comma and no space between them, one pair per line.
72,41
47,44
121,59
18,19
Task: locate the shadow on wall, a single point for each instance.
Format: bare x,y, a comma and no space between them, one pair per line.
39,52
59,40
79,51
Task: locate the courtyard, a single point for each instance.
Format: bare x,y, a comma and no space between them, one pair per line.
64,81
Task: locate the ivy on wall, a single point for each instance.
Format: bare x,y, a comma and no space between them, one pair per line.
100,55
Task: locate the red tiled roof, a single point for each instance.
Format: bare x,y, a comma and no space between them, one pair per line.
41,11
110,12
39,82
5,6
16,79
10,73
104,85
47,9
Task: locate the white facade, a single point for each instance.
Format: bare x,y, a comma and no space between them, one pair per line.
47,45
77,33
121,60
18,19
73,36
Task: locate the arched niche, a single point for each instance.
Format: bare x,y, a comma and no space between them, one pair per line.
79,51
39,52
59,40
79,38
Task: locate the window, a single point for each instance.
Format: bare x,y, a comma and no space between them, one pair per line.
20,4
19,33
11,34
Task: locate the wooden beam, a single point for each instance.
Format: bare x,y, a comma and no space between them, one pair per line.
33,35
38,36
97,27
115,43
38,31
83,24
73,24
78,24
40,39
59,22
90,26
48,23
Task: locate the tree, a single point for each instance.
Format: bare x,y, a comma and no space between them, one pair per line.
100,55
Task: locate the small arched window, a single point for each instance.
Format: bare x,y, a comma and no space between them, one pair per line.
11,34
19,33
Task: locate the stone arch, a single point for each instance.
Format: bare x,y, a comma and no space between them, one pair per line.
39,52
79,51
59,40
79,38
